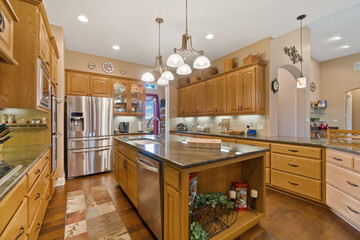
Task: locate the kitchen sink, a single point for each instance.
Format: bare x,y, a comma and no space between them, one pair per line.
145,141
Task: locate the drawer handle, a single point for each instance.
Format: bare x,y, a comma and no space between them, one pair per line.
38,227
353,210
22,230
47,197
37,172
352,184
37,196
291,150
337,159
293,165
47,175
47,158
2,22
295,184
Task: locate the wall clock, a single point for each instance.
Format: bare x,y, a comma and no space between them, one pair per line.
275,85
122,70
108,67
312,87
91,65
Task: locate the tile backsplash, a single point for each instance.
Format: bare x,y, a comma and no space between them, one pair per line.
133,122
236,123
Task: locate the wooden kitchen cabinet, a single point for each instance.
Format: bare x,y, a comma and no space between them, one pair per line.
220,95
197,99
247,94
129,98
184,105
77,84
9,18
233,92
132,181
99,86
172,213
44,43
137,98
210,97
54,63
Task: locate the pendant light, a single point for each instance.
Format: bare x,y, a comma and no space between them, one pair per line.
176,60
301,81
166,75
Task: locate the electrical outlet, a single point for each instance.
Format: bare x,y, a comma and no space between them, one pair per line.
260,127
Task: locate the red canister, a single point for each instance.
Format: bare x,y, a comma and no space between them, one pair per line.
240,187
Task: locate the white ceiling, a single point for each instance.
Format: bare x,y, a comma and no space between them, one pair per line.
131,24
345,24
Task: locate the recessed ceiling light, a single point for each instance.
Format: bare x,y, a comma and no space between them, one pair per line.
82,18
209,36
345,46
336,38
116,47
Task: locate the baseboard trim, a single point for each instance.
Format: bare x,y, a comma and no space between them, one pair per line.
60,182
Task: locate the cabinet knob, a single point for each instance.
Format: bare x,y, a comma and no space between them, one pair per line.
2,22
47,63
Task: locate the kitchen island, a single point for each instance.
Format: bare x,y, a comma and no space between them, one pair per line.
216,169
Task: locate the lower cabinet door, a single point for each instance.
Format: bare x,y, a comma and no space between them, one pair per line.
122,172
132,181
172,214
18,226
35,198
35,227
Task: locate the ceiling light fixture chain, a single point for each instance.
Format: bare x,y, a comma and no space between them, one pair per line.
301,81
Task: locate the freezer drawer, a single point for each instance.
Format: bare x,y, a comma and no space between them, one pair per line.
76,143
89,161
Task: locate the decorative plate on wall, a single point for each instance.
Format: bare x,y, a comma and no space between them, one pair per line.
108,67
312,86
122,70
275,85
91,65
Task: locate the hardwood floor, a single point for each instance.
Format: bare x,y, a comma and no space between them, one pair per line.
287,217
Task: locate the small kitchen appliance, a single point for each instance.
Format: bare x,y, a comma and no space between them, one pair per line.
124,127
181,127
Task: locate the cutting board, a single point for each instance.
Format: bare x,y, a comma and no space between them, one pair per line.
204,143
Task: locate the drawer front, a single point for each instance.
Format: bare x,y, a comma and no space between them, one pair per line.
6,34
267,159
253,143
46,174
45,158
302,166
34,173
35,227
203,136
229,140
344,204
35,197
347,181
339,158
187,135
175,133
267,175
127,152
296,150
18,225
12,201
46,198
302,185
357,164
172,177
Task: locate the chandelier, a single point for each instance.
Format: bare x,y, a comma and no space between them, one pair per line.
166,75
176,60
301,81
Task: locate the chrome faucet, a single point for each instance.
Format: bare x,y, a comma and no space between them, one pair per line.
159,130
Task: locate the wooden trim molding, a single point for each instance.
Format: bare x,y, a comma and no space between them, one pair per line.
11,10
33,2
104,75
53,42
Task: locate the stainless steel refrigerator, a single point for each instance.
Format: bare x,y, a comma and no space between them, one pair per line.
89,135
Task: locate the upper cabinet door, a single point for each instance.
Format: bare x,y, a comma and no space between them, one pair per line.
194,100
186,101
180,105
8,17
247,100
233,90
221,95
44,44
121,97
201,98
137,93
54,67
210,97
77,84
100,86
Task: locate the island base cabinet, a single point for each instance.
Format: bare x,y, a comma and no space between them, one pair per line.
132,181
18,226
172,213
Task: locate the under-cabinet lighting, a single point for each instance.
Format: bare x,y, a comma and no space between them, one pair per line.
225,150
184,142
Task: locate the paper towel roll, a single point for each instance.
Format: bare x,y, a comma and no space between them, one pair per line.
254,193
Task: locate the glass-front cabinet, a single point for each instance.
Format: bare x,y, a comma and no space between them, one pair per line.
137,98
129,97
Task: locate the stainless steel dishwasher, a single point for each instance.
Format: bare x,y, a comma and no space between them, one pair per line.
150,189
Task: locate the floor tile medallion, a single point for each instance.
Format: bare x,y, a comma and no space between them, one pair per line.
91,214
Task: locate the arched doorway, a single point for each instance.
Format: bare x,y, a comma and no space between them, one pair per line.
352,112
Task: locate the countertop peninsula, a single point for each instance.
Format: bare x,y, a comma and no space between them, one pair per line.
25,156
174,150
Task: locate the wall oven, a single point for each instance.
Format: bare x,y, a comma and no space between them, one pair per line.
43,86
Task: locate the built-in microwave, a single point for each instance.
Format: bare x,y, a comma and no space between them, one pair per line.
43,87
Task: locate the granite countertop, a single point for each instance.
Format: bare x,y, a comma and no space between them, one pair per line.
174,150
26,156
312,142
131,133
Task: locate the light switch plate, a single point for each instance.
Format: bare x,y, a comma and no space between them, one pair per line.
260,127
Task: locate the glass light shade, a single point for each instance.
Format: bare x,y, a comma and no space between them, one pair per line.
162,81
183,69
175,60
301,82
167,75
148,77
201,62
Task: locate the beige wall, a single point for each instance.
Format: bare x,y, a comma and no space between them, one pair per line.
58,33
238,123
337,76
278,59
79,61
315,77
356,109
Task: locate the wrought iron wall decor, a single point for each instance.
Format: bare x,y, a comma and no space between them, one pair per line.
292,52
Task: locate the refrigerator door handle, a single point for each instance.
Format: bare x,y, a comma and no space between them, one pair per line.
90,150
89,139
93,117
58,135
